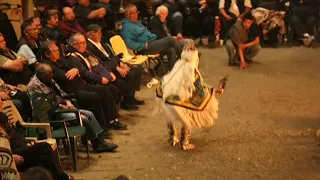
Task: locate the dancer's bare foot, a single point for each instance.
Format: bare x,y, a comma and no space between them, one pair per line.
186,147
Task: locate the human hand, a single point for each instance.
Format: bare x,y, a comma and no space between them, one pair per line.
220,90
113,77
147,45
72,73
239,19
70,105
179,36
122,72
227,17
243,65
18,159
104,80
13,88
4,96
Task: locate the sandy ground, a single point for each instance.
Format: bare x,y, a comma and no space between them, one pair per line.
269,115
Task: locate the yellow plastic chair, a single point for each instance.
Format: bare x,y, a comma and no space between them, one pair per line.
119,46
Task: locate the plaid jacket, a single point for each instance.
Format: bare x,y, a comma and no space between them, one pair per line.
36,86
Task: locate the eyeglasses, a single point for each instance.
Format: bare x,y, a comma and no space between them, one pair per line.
82,43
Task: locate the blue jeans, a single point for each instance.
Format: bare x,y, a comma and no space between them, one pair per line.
91,124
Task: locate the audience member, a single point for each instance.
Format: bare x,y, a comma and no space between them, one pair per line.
43,83
69,25
79,55
28,45
140,39
13,67
96,97
244,41
231,11
27,155
304,19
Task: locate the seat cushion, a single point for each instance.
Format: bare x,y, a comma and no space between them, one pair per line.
73,131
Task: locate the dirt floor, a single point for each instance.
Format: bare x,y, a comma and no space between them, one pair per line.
269,115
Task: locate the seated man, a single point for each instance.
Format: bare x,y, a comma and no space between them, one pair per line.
244,41
69,25
201,14
131,75
19,98
158,25
109,5
13,68
79,58
50,30
27,155
140,39
97,97
175,17
43,83
231,11
304,19
87,14
28,45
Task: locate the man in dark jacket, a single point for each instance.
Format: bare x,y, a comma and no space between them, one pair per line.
129,75
96,97
93,68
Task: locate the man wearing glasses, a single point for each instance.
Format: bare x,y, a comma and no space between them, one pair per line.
28,45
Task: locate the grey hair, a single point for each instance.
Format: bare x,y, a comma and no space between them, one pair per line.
45,46
74,38
42,71
162,7
128,7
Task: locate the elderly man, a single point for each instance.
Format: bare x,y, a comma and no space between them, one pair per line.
140,39
158,25
98,97
28,45
69,25
13,67
43,83
79,57
130,76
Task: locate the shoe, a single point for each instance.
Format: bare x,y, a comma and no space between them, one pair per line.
116,125
108,147
129,107
134,101
107,134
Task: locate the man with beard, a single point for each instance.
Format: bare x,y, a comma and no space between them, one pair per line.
69,25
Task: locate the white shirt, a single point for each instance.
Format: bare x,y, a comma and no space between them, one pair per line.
234,9
26,51
99,46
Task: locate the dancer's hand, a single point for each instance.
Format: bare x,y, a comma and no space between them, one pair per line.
220,90
18,159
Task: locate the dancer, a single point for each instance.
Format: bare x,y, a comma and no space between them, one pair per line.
186,100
